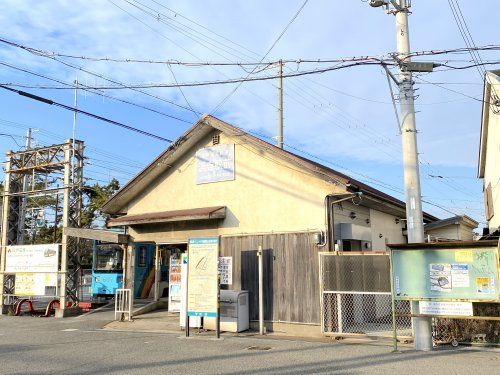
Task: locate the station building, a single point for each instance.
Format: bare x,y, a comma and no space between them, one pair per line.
218,180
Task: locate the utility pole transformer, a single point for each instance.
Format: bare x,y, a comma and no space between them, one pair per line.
422,328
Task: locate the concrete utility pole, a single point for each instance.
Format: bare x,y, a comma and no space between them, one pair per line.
280,104
422,328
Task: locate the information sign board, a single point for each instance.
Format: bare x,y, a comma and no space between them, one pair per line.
446,273
215,164
203,288
445,308
226,270
35,268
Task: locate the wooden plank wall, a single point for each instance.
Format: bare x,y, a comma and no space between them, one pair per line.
291,273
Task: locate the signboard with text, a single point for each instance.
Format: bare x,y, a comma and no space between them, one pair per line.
203,287
226,270
215,164
35,268
445,308
446,273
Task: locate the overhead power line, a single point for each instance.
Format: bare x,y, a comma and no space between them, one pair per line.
218,82
72,109
326,60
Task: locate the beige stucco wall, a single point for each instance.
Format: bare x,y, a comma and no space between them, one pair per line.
385,225
458,232
266,195
492,163
450,232
378,222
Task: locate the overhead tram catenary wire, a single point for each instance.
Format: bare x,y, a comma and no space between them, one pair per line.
86,88
246,49
58,138
97,117
469,42
190,53
85,70
263,57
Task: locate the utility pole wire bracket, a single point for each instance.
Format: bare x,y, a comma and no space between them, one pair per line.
389,75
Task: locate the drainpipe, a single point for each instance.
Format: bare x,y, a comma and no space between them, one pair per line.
330,217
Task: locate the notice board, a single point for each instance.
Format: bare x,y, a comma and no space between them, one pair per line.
203,285
446,273
35,268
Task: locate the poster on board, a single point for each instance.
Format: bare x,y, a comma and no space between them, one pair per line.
203,287
35,268
226,270
446,273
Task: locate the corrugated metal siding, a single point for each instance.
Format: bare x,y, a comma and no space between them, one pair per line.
290,274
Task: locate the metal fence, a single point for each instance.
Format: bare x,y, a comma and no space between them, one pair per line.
356,296
123,304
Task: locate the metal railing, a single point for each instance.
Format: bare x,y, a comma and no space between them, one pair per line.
123,304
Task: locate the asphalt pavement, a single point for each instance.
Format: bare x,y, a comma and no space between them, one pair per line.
30,345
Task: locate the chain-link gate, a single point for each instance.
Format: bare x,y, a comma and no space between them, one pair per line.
356,295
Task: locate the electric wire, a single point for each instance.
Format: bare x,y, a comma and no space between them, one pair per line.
86,88
97,117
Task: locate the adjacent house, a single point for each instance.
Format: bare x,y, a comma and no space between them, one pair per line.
456,228
489,150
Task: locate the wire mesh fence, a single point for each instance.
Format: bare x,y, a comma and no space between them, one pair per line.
363,313
356,296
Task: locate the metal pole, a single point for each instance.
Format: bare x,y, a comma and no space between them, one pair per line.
393,307
56,218
422,326
24,199
217,323
74,132
261,290
280,104
157,274
5,228
66,224
186,322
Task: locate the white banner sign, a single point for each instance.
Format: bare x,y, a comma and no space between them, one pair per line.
32,258
35,267
226,270
215,164
446,308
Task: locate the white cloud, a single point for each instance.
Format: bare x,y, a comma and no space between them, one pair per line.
321,120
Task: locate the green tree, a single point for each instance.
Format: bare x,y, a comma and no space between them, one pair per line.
96,196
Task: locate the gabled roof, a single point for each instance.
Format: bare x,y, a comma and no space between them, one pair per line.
459,219
490,76
201,129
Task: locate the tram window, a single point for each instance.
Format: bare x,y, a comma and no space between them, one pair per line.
142,256
108,258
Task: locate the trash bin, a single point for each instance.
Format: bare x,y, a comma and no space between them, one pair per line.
234,312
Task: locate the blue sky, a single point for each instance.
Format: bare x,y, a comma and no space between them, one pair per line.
344,117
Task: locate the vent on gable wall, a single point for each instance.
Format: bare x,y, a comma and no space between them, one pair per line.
215,139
